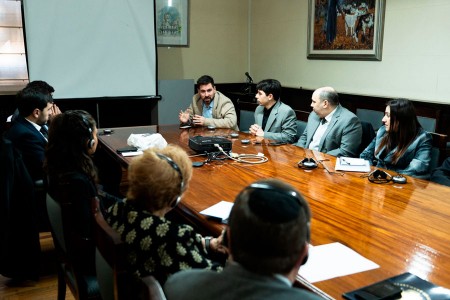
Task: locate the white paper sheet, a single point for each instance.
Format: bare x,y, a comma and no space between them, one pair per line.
333,260
132,153
352,164
220,210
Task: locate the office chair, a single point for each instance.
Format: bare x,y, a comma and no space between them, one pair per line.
67,243
114,280
151,289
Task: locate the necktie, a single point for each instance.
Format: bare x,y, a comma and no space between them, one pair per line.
44,132
323,121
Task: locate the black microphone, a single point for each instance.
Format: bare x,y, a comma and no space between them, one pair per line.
249,78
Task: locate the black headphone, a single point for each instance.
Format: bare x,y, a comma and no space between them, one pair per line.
291,194
307,163
380,176
91,140
176,168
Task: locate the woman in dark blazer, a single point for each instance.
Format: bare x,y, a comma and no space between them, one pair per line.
72,176
401,145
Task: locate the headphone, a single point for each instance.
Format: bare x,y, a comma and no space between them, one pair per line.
294,196
380,176
91,140
307,163
176,168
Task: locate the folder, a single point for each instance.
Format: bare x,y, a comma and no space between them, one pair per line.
404,286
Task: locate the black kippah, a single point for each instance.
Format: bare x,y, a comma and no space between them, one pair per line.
274,206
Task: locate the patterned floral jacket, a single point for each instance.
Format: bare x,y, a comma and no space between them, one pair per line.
157,246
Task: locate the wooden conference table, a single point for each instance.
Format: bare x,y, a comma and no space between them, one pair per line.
402,228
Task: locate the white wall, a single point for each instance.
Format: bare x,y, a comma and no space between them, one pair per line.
416,51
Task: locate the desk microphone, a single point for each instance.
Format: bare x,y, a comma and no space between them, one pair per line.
249,78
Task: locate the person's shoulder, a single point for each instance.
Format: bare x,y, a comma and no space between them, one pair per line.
191,277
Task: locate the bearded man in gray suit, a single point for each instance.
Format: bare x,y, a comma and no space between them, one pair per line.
331,128
269,239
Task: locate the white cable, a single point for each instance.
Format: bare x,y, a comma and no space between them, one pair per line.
245,158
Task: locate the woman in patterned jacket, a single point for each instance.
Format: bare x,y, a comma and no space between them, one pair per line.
156,245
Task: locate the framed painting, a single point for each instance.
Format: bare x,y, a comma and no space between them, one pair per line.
345,29
172,23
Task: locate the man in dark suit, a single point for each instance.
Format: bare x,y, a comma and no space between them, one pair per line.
273,119
269,239
331,128
28,132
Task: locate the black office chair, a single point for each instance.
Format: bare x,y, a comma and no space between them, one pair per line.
151,289
67,244
114,280
368,134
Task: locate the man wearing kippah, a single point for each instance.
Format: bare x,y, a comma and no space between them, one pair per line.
268,238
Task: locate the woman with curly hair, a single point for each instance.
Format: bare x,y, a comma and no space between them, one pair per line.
156,245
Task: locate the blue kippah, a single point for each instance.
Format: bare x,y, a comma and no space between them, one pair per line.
274,206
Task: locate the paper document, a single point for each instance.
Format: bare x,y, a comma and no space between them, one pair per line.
219,211
132,153
352,164
333,260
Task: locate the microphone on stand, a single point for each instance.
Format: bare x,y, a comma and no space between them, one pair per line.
249,78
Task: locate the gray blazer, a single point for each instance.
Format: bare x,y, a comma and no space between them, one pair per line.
234,282
281,124
342,137
414,162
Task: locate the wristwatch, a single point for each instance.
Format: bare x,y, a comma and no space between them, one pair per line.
208,243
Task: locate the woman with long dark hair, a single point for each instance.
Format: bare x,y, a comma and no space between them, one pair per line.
72,175
401,145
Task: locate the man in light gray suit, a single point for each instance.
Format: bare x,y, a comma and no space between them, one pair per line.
268,236
331,128
273,119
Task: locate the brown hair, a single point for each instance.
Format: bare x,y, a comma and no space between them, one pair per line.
153,182
404,128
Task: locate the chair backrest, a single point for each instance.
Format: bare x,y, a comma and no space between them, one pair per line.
67,244
246,119
372,116
151,289
368,134
301,125
428,124
109,257
439,150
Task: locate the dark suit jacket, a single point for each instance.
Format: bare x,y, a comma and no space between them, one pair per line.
281,124
31,144
19,234
342,137
234,282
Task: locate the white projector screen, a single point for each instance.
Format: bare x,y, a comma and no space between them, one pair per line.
92,48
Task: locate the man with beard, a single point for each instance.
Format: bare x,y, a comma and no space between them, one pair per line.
331,128
28,132
209,107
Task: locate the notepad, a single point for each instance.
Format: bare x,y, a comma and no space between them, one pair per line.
352,164
219,211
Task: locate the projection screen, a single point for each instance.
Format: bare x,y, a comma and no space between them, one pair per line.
92,48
